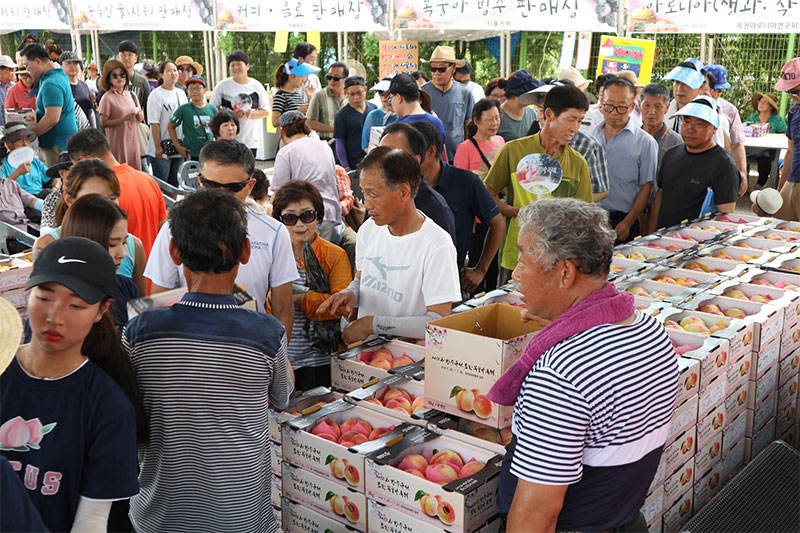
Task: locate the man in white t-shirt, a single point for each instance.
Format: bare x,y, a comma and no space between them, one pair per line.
406,273
228,165
244,96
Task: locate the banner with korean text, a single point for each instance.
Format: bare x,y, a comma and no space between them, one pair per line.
538,15
172,15
398,56
301,15
714,16
41,14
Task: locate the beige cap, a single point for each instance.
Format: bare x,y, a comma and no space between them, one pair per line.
572,74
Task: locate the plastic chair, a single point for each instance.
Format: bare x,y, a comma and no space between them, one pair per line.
167,188
7,230
168,200
187,175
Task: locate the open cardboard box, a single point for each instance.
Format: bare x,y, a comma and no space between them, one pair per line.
472,432
171,297
303,403
788,225
789,301
778,235
497,296
711,352
712,265
767,320
622,268
754,242
693,235
461,505
332,500
465,354
786,262
655,290
372,395
350,368
644,254
14,272
743,220
684,278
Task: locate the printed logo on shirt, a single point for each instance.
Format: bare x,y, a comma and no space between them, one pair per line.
19,435
259,245
373,282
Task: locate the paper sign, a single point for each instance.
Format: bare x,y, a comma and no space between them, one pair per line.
313,37
281,41
567,49
618,54
714,16
584,50
301,15
539,174
153,15
398,56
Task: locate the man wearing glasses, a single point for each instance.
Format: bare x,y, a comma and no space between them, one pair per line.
632,156
228,166
789,185
325,104
349,123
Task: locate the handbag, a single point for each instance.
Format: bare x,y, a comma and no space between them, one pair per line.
167,146
355,217
142,129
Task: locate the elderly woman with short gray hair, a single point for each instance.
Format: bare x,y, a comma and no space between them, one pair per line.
593,392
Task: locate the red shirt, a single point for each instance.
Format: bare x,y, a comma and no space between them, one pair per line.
142,200
17,96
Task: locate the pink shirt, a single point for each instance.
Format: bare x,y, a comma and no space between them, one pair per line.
468,157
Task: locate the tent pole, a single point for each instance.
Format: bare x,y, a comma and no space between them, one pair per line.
789,56
703,47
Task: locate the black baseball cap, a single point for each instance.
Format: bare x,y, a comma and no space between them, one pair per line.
354,80
405,85
81,265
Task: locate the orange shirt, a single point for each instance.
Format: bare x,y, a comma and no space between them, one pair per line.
141,198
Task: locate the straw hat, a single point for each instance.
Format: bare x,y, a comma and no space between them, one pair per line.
631,77
771,98
445,54
187,60
10,333
108,67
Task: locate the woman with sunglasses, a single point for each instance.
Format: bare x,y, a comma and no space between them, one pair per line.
120,114
161,104
315,336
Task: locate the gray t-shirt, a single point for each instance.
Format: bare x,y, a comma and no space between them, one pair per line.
453,108
511,128
666,139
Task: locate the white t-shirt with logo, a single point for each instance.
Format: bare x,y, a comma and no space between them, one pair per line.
235,96
402,276
271,258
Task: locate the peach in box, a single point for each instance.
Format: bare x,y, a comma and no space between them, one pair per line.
466,353
374,359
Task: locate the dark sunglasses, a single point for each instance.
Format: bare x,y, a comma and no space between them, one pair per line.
306,217
118,76
439,69
186,68
334,78
230,187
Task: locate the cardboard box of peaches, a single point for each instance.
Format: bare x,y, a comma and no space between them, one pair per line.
376,358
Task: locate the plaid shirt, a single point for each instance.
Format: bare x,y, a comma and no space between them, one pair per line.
595,156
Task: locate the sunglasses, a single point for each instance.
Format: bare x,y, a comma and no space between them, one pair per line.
186,69
439,69
334,78
118,76
306,217
230,187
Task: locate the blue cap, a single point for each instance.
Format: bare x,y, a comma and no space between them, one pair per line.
720,74
196,79
689,76
696,62
702,107
521,82
294,68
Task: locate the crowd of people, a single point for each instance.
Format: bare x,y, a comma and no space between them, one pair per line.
381,213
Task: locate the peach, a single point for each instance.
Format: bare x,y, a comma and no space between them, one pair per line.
741,398
428,455
348,424
413,460
711,308
362,427
482,406
399,404
403,360
396,393
445,513
441,474
666,279
471,468
448,457
505,436
418,404
353,437
465,399
379,432
488,434
328,436
428,504
351,475
672,324
698,328
637,256
659,295
324,427
691,320
736,293
722,358
374,400
337,468
382,354
383,364
351,512
744,368
414,472
638,291
735,312
337,504
760,298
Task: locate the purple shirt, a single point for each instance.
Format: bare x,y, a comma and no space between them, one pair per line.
13,200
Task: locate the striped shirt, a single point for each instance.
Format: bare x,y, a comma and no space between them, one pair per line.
284,101
301,353
207,371
602,398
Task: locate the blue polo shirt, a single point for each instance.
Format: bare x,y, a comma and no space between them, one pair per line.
435,207
32,182
54,91
427,117
793,134
453,107
347,126
468,198
632,156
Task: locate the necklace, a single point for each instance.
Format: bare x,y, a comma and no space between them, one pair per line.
28,367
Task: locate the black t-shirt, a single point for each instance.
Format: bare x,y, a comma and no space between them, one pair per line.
82,96
684,179
347,126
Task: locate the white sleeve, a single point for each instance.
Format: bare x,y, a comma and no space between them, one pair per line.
216,95
91,516
154,108
160,269
440,281
282,169
283,269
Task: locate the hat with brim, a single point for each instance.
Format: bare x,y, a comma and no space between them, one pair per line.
187,60
15,131
70,56
686,75
294,68
196,79
631,77
7,62
790,75
700,110
720,74
768,200
521,82
772,99
445,54
63,162
696,62
10,333
382,86
108,67
21,70
537,95
572,74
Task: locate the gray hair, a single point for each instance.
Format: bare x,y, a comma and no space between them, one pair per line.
657,90
567,228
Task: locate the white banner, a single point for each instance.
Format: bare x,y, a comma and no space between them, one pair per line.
538,15
301,15
39,14
714,16
155,15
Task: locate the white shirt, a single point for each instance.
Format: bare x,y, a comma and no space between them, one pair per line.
312,80
271,260
477,91
161,104
235,96
674,122
402,276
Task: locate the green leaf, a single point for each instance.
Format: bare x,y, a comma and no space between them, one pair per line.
329,495
419,494
48,428
455,390
329,458
33,446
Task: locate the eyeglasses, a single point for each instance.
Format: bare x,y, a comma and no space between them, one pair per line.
439,69
620,109
306,217
186,68
334,78
356,93
114,75
230,187
195,87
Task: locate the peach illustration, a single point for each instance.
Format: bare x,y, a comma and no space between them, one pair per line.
337,469
352,476
792,388
742,397
440,473
748,338
482,406
470,468
796,358
445,513
464,400
722,358
399,403
403,360
337,504
415,461
505,436
351,512
428,504
744,368
448,457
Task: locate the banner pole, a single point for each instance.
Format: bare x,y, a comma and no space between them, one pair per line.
703,47
789,55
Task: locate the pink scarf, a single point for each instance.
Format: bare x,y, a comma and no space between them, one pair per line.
605,306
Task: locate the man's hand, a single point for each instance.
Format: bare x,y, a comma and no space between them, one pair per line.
309,93
357,330
471,278
159,151
345,298
623,229
182,150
